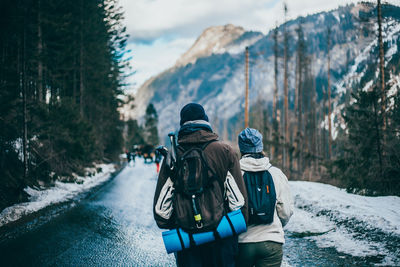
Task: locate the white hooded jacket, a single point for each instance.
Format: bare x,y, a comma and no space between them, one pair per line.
284,205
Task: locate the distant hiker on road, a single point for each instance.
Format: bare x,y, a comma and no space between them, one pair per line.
128,157
270,204
133,157
157,160
225,182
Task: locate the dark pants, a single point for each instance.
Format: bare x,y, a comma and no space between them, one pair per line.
260,254
220,253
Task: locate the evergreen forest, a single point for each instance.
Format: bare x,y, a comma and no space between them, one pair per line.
61,74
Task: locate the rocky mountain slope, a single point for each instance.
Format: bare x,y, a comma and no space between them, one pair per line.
211,72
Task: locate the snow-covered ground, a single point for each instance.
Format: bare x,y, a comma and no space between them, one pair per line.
352,224
359,226
61,192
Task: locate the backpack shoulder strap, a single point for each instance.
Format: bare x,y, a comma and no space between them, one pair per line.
203,158
207,143
202,146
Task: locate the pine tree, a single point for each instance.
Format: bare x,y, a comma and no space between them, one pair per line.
361,165
51,53
134,134
150,126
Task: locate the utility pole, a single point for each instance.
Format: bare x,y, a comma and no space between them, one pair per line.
246,104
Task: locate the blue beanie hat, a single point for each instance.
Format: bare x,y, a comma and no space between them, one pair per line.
192,112
250,141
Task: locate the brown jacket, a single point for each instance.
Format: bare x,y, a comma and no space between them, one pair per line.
221,159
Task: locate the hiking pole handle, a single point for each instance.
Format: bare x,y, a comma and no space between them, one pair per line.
172,139
162,150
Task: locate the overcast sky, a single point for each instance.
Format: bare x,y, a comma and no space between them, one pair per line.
161,30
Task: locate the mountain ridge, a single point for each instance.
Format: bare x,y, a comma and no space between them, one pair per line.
216,80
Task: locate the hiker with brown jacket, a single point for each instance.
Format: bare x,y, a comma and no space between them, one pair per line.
195,130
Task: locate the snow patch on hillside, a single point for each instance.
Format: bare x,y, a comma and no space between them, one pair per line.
391,31
61,192
394,88
391,34
240,48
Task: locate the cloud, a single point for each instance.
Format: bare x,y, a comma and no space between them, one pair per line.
148,60
148,20
162,30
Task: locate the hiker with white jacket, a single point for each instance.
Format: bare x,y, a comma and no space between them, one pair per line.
262,244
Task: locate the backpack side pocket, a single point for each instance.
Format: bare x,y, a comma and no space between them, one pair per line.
233,194
164,203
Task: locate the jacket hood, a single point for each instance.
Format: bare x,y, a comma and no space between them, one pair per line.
251,164
200,136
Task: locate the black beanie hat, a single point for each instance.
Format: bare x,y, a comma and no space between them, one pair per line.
192,112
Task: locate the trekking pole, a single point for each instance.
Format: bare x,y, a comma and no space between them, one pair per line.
172,139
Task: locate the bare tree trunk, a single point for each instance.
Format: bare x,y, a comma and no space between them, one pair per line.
378,137
300,125
299,84
81,67
74,81
294,132
329,95
324,130
40,55
246,103
25,139
24,100
274,104
286,92
381,63
314,125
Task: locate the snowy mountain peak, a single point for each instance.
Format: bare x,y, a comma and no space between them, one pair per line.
213,40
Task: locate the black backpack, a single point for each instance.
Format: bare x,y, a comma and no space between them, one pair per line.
199,196
261,196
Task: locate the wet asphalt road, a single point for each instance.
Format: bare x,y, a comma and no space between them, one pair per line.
114,226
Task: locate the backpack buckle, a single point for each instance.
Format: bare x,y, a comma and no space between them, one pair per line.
199,225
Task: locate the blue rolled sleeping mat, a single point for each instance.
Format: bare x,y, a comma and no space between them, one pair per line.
231,224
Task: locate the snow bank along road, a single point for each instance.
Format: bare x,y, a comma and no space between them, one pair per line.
367,228
61,192
115,227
